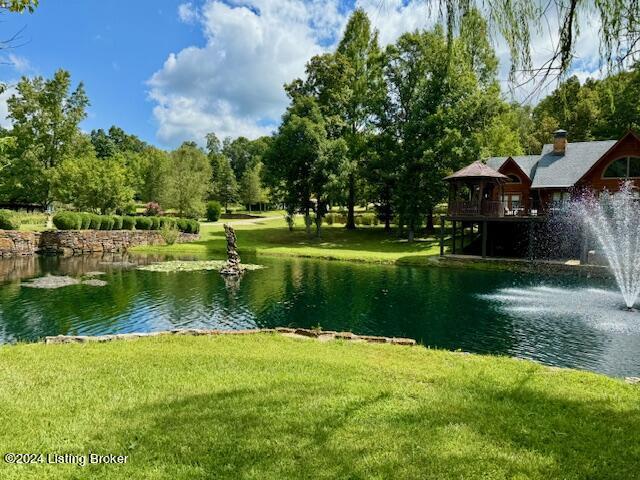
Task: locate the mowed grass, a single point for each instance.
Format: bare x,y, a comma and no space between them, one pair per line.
272,237
269,407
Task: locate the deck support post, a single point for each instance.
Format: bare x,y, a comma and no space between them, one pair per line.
453,237
531,240
584,254
442,235
462,237
484,239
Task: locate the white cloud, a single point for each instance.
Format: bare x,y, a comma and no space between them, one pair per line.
187,12
4,111
20,64
232,84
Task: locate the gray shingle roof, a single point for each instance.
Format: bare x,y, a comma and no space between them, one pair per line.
565,170
526,162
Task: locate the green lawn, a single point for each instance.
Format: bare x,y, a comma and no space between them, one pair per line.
272,237
270,407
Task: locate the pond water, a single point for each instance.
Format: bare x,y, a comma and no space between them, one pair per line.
562,321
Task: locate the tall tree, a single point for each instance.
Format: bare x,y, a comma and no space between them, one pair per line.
359,46
46,115
224,186
251,191
188,182
304,160
93,184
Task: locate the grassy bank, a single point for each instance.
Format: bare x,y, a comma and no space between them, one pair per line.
268,407
272,237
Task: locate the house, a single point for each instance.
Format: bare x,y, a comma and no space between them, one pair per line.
524,190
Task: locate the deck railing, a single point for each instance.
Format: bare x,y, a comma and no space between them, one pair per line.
487,208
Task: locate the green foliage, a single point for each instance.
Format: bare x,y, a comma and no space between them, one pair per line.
182,224
188,181
169,234
251,191
144,223
19,6
155,223
45,116
8,220
128,223
117,222
85,220
167,222
90,183
214,209
96,222
67,221
106,222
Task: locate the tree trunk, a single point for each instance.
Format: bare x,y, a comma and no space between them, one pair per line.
351,203
430,227
307,221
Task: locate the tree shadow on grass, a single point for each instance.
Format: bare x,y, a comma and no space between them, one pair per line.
311,431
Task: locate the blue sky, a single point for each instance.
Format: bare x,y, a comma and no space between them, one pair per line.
112,46
173,70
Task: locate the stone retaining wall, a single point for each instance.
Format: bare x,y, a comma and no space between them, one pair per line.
321,335
18,244
79,242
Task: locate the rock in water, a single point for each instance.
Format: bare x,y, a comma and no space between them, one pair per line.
232,267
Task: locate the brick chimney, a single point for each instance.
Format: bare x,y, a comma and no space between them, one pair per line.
559,142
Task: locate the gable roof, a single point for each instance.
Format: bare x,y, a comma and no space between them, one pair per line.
527,163
477,170
564,171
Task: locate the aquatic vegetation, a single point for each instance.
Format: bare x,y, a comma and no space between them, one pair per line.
50,282
192,266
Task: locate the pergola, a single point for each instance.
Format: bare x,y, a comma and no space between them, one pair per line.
476,190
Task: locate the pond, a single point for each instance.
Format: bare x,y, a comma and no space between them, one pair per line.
562,321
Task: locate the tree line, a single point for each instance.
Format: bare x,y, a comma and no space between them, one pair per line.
366,125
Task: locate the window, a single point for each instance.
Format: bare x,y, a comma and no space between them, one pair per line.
514,178
626,167
560,197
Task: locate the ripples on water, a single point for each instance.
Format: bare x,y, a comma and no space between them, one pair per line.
579,324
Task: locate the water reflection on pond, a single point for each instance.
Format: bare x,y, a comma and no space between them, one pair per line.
486,312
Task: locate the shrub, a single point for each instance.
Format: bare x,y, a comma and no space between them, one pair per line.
96,221
157,223
214,209
8,220
143,223
358,220
170,234
67,221
152,209
330,218
106,222
85,220
169,222
117,223
129,209
182,224
369,219
194,226
128,223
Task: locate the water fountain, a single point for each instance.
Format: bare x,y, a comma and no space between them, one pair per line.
614,220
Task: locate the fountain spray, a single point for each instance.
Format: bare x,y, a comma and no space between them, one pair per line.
614,220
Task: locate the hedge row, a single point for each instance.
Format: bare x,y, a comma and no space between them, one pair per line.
91,221
8,220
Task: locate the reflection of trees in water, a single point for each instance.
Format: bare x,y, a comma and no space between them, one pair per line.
435,306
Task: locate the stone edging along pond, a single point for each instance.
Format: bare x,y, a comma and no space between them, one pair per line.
289,332
79,242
